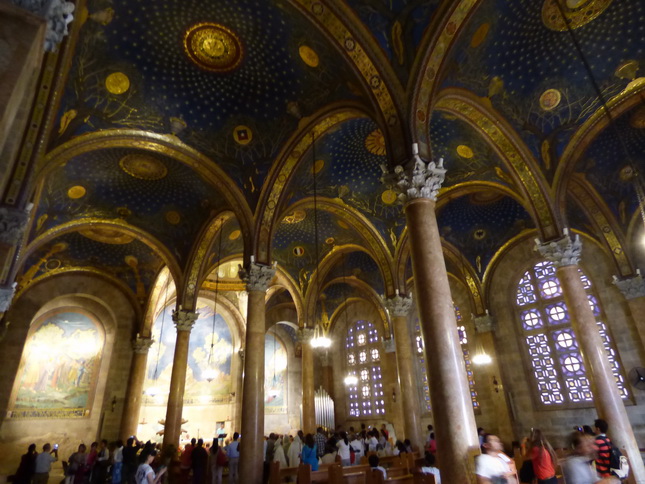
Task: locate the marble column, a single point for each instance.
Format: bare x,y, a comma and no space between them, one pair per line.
257,278
634,291
184,321
130,419
305,335
454,418
239,395
399,307
565,254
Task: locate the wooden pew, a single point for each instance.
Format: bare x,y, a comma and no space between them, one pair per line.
421,478
376,477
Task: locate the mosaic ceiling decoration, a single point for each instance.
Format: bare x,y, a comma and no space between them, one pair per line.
610,162
467,156
152,193
348,169
519,60
118,255
361,266
232,243
231,79
398,27
479,224
294,242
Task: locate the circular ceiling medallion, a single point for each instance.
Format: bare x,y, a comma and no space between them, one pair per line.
626,173
388,197
576,12
330,241
318,166
213,47
375,143
484,197
479,234
295,217
242,135
465,151
550,99
309,56
144,167
117,83
76,192
343,225
106,236
299,251
173,217
480,35
234,235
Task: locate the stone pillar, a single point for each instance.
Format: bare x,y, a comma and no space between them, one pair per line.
239,395
486,375
257,278
184,321
130,419
565,254
454,418
391,388
305,335
399,307
634,291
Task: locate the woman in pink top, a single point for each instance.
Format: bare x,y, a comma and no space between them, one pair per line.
544,459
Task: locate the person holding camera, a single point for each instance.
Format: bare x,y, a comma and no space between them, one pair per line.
44,462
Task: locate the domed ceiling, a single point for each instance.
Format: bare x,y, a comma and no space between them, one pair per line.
241,90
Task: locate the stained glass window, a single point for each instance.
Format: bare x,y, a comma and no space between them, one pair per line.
553,352
363,345
423,377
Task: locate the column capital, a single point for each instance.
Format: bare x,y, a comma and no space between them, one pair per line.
6,296
57,13
562,252
257,276
424,182
485,323
389,344
632,288
12,224
141,345
398,305
184,320
305,335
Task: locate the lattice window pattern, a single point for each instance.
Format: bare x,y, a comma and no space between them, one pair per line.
552,349
366,398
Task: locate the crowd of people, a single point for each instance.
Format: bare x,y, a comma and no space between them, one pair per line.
587,461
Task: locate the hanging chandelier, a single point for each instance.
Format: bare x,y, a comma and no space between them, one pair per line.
211,372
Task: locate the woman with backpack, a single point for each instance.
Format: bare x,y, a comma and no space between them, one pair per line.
544,459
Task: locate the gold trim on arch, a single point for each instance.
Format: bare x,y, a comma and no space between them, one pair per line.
429,72
597,211
282,172
594,125
377,247
115,224
196,261
163,144
382,83
512,151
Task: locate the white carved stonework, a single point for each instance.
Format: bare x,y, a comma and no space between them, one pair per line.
141,345
389,345
632,288
398,305
305,335
426,179
562,252
57,13
485,323
184,320
12,225
257,276
6,296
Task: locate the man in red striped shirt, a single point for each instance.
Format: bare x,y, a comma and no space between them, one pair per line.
603,444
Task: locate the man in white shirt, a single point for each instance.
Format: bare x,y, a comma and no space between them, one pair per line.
43,463
493,466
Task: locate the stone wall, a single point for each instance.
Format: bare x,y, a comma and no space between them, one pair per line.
110,306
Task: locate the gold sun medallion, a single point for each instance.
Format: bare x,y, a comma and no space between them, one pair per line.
117,83
309,56
375,143
143,166
213,47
